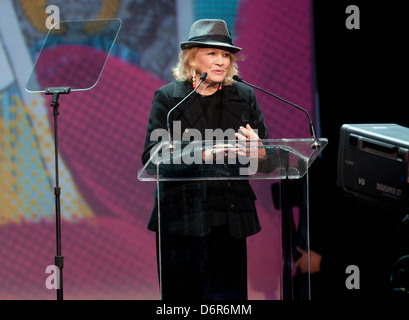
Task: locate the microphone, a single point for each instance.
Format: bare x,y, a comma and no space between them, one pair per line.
316,144
202,77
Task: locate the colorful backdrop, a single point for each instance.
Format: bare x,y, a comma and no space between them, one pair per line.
108,252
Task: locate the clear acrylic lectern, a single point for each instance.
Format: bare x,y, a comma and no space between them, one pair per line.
286,161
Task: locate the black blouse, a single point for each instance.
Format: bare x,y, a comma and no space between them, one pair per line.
211,108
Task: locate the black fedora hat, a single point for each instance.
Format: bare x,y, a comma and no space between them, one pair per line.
210,32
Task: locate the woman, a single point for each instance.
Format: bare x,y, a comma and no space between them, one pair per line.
204,224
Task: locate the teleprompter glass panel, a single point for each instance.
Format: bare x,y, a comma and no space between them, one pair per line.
74,54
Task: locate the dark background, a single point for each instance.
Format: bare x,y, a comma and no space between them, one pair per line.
361,78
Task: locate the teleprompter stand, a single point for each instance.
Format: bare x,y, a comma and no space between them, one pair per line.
74,68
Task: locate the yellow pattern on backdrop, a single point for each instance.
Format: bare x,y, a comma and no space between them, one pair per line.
34,10
26,186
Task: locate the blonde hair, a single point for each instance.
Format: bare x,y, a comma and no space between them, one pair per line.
185,65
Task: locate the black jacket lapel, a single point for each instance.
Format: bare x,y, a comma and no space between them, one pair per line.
189,110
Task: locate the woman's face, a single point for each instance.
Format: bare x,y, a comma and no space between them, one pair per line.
215,62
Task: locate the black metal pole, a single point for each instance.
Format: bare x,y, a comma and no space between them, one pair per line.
59,259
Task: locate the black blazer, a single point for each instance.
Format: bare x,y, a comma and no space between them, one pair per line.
186,207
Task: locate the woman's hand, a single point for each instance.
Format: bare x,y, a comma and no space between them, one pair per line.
248,134
219,151
245,147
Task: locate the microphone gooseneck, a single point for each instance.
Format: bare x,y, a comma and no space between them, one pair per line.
316,144
202,78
